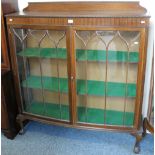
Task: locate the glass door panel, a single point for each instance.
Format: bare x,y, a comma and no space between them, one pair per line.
106,76
90,77
42,67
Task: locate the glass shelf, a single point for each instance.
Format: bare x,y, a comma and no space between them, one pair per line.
92,55
53,110
96,88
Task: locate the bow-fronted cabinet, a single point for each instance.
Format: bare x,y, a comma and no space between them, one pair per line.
81,65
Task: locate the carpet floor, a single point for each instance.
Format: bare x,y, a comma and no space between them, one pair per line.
41,139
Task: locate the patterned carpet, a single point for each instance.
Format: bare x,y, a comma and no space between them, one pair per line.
41,139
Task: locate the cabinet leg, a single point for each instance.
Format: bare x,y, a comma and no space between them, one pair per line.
21,132
144,127
136,148
137,143
20,120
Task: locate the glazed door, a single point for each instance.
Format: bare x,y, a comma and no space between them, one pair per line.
106,76
41,57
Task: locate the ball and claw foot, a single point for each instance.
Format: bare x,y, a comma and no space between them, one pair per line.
20,120
136,149
21,132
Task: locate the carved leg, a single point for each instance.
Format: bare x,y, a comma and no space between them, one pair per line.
137,143
144,127
21,132
20,120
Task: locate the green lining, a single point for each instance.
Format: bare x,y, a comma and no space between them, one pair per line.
44,53
49,83
81,55
96,88
52,110
95,116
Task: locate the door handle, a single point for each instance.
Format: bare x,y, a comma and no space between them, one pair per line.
72,77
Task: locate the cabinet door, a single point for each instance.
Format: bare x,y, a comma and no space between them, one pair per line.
106,76
41,58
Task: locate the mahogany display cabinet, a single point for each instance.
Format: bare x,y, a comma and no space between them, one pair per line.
80,64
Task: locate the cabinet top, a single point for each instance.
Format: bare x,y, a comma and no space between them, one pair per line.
82,9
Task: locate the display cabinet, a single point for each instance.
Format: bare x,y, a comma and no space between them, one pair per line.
81,65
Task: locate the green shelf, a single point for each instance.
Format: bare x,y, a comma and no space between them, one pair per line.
94,115
52,110
96,88
49,83
44,53
81,55
100,55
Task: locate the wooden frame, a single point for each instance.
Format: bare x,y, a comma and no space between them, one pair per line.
102,16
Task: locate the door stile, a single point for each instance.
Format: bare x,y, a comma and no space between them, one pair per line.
70,41
140,79
15,69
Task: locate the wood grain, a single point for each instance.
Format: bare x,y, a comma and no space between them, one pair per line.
88,22
87,6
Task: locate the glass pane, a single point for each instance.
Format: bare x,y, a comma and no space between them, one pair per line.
42,65
106,76
90,77
133,40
